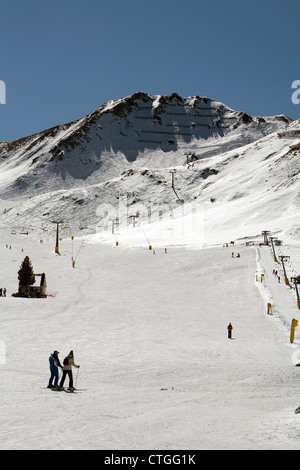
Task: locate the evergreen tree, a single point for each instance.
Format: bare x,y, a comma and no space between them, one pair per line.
26,275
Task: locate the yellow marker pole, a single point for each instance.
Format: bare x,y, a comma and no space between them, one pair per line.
269,308
293,327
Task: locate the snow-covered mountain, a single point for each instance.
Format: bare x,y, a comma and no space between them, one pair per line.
128,132
244,167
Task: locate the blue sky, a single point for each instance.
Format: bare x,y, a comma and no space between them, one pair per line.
62,59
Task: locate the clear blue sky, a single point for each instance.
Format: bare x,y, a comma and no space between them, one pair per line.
61,59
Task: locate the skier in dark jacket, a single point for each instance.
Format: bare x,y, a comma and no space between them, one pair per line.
54,364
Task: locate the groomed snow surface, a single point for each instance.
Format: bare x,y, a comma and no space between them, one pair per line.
150,334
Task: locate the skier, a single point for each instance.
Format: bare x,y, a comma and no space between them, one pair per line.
67,370
229,329
54,365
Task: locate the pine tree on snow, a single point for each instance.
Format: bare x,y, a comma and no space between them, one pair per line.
26,275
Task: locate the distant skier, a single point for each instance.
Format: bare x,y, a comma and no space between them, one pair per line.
67,370
230,329
54,363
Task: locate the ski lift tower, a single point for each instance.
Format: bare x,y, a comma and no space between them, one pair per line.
273,248
283,259
265,233
173,173
296,281
112,226
57,236
115,223
134,217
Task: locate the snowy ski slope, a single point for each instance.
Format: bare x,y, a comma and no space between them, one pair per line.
149,332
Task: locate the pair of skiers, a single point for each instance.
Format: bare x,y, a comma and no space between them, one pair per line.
55,364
